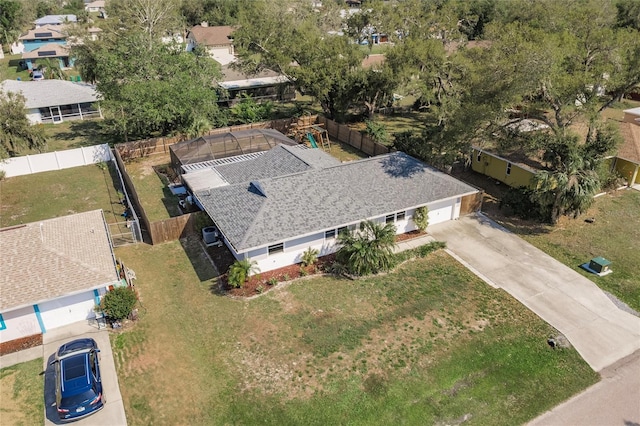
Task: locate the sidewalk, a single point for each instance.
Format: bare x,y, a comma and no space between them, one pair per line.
21,356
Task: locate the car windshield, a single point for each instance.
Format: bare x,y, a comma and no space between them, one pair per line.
78,399
74,368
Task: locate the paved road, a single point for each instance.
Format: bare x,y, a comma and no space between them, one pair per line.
615,400
113,412
573,304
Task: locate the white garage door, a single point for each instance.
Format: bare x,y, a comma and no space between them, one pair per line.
441,212
67,310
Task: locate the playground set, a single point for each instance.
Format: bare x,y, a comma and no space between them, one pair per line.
313,134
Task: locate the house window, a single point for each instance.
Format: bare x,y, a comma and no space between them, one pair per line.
400,215
3,326
390,218
276,248
479,157
342,229
508,169
329,234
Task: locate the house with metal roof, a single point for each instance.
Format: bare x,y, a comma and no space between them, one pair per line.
55,20
55,101
54,272
272,207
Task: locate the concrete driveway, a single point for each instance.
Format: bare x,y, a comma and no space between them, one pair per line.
113,412
601,332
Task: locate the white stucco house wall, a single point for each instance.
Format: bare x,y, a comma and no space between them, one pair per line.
55,101
54,272
272,207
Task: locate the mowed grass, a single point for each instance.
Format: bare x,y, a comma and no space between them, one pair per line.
76,134
21,394
152,188
614,235
46,195
427,344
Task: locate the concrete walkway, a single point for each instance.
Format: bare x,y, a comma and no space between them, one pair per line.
574,305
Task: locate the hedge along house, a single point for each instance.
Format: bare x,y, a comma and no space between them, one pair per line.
53,274
272,207
55,101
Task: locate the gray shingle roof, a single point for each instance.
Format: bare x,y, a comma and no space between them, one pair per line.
45,93
319,199
278,161
53,258
55,19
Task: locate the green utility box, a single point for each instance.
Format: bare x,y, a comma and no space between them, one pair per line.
599,264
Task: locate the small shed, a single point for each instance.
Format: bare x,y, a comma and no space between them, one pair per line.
600,265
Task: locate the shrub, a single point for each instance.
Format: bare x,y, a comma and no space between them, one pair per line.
309,257
239,272
119,302
303,272
421,218
518,201
272,281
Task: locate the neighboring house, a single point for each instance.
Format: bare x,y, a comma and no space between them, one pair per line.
217,40
54,272
55,20
270,208
41,36
94,6
513,174
55,51
627,161
266,85
94,32
54,101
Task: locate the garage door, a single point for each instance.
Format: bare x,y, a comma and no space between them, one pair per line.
67,310
441,211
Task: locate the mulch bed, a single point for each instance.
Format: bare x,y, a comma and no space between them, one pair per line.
265,281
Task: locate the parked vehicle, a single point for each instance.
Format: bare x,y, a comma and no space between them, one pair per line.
37,76
78,382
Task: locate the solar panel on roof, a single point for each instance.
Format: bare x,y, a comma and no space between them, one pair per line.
44,34
47,53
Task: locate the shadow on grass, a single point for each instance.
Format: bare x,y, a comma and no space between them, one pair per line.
197,255
91,132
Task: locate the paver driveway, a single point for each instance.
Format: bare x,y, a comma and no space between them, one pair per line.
574,305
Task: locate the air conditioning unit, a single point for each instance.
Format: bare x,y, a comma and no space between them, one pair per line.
211,237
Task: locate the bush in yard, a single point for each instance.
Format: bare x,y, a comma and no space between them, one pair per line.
368,250
240,270
119,302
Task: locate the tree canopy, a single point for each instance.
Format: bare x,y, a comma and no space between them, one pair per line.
16,132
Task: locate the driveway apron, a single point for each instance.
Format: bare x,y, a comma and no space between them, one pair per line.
573,304
113,412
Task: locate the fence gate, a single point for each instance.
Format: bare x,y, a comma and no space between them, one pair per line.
123,233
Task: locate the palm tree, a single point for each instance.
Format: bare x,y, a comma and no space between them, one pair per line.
568,190
240,270
368,250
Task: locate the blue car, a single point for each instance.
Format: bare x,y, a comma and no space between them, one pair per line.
78,383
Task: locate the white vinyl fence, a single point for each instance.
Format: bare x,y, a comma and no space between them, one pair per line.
18,166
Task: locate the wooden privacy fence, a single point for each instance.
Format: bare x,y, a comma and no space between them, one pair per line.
355,138
176,227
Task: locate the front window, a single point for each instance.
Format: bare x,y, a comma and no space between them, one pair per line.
508,169
390,218
276,248
330,234
400,215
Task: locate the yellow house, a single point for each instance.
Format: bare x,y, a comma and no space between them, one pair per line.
512,174
627,162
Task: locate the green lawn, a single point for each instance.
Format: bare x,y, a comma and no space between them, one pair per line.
76,134
615,235
427,344
22,394
9,68
152,188
58,193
